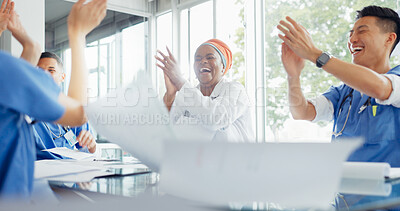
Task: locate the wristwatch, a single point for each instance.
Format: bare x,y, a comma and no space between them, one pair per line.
323,59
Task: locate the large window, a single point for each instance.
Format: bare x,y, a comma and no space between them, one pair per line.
230,29
164,39
134,50
328,23
249,28
196,27
116,52
198,24
106,69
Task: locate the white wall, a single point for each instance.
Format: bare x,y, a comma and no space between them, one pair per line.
31,13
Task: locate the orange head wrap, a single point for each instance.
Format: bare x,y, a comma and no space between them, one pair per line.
223,50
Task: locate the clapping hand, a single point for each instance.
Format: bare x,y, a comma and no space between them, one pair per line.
174,80
7,7
83,18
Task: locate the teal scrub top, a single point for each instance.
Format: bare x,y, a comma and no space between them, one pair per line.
24,90
378,124
46,139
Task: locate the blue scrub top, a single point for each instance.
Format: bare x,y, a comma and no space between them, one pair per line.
378,124
24,89
46,140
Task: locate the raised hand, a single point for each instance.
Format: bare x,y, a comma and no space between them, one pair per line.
293,64
16,28
31,49
171,70
6,8
298,39
84,18
81,20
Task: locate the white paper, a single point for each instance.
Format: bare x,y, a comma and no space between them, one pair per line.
77,155
80,177
127,166
299,175
366,170
51,168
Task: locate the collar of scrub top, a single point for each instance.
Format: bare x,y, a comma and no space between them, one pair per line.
362,108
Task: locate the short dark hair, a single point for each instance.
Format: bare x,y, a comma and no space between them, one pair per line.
53,56
388,19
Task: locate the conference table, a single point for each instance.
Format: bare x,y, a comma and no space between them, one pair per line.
140,190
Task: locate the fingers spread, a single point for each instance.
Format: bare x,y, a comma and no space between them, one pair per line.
161,53
12,7
290,30
8,8
162,67
293,22
285,39
170,55
3,6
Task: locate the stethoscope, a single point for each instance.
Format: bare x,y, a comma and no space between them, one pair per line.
55,136
362,108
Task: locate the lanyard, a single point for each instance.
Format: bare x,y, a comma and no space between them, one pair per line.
53,135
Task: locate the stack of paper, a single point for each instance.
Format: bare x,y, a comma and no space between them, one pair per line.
83,170
67,171
77,155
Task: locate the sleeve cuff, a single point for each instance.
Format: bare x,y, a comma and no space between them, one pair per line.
394,98
323,108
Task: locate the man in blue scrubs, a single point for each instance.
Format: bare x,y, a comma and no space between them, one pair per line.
50,135
367,103
28,91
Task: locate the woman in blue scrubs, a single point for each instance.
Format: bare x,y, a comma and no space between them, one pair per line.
50,135
28,91
367,105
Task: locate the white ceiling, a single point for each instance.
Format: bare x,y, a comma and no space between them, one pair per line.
56,9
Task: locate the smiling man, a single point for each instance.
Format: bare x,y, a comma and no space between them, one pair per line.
367,104
50,135
52,64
